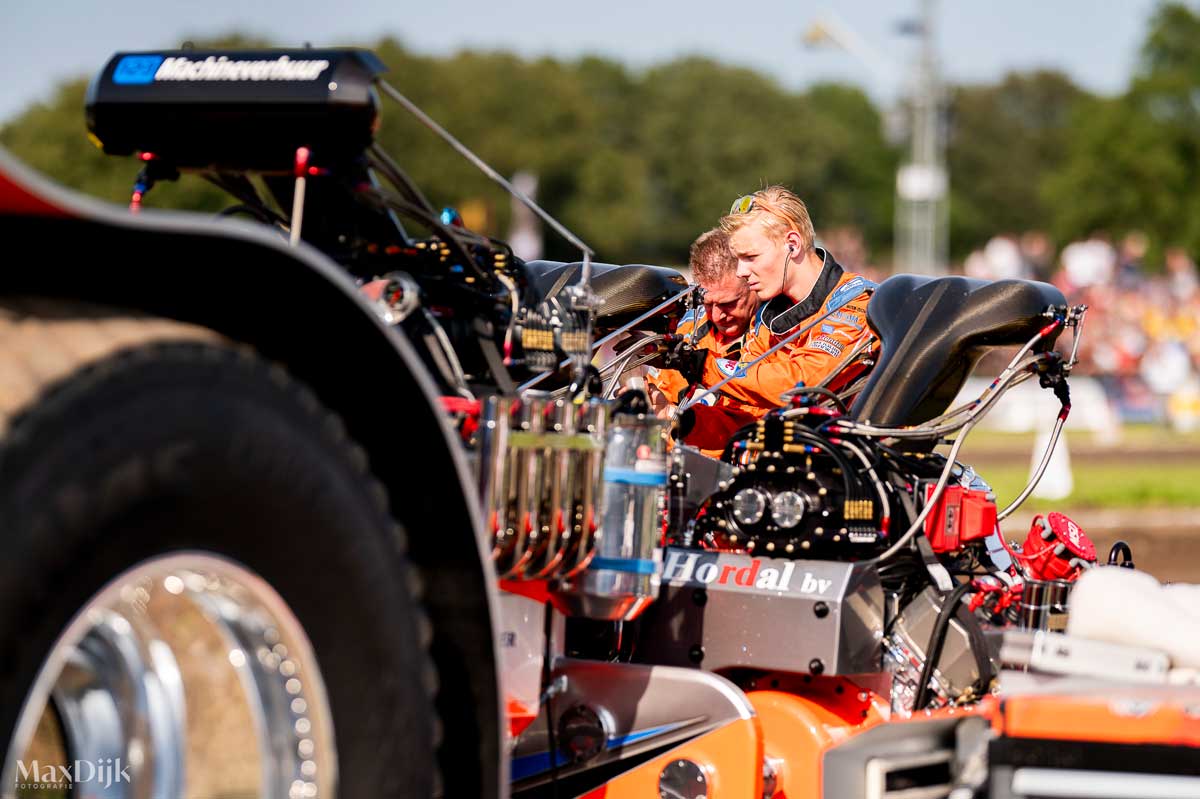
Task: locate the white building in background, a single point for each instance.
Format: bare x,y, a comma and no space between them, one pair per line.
525,230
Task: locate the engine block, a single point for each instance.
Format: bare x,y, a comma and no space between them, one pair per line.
794,494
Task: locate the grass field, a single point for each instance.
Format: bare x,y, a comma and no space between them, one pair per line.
1152,466
1106,485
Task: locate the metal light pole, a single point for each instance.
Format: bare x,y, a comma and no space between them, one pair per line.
921,183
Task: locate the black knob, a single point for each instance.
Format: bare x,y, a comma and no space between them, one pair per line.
816,667
581,734
696,654
821,610
1121,550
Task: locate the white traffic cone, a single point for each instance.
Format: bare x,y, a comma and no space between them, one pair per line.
1057,482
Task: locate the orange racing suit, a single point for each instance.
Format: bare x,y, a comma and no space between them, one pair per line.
722,359
806,361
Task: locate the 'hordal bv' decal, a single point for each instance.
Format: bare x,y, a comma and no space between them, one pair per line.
686,567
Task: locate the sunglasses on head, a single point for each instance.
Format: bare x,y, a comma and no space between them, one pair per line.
742,205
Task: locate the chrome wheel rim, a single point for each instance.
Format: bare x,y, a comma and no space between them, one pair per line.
188,675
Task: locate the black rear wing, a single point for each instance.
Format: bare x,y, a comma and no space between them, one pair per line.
244,110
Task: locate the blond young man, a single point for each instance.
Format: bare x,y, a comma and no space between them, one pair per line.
772,237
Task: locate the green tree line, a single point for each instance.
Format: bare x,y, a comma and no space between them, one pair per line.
639,162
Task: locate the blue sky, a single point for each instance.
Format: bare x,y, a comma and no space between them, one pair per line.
43,41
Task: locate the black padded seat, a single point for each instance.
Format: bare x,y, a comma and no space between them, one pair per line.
934,331
626,291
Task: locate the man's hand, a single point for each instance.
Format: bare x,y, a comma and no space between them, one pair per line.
659,402
686,360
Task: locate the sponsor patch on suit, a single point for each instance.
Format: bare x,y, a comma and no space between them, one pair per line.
827,344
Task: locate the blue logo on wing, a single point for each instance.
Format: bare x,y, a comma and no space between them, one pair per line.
136,69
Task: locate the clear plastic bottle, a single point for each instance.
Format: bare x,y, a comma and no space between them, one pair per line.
624,572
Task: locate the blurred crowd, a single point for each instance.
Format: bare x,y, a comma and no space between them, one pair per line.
1141,337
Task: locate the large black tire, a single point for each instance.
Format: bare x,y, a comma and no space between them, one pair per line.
122,439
